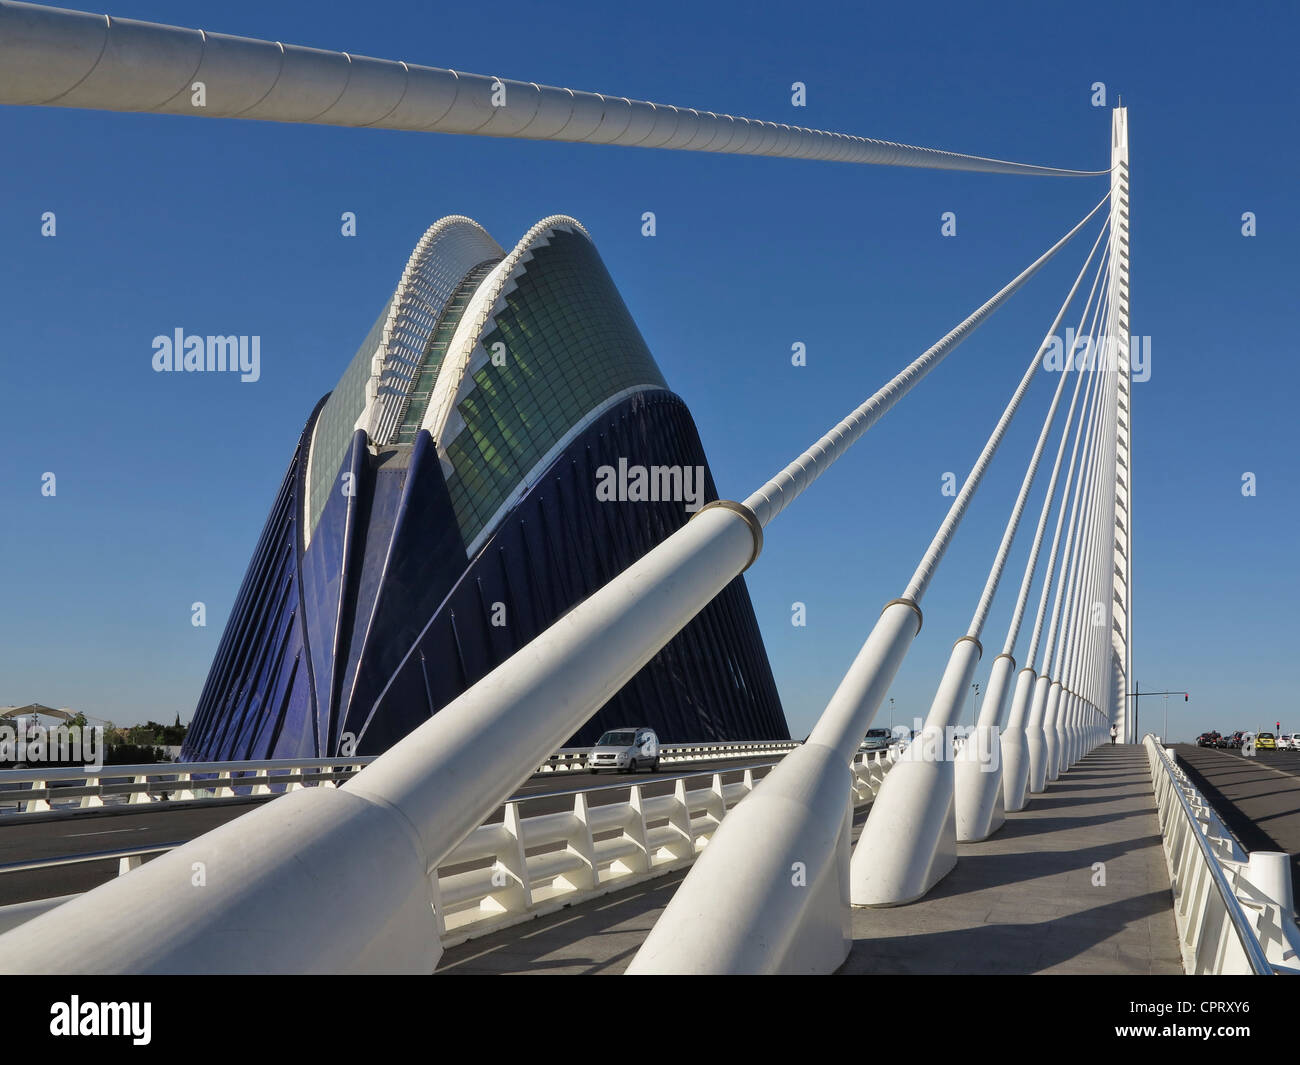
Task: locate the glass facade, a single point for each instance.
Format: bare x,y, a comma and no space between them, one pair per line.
338,419
422,388
570,344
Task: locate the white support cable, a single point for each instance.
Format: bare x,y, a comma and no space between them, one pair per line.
778,493
943,537
1031,470
1082,470
57,58
1040,619
1103,538
1044,514
1080,655
1059,705
415,803
1079,515
1077,673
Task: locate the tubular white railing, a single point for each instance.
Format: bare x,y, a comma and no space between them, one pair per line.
36,790
520,867
1235,911
30,791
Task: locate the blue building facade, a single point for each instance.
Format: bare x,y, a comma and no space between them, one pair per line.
443,506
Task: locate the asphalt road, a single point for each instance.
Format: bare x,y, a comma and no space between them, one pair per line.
1258,798
114,828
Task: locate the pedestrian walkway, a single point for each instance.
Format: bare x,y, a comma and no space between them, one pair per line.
1075,883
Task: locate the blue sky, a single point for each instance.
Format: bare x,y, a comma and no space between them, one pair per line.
225,227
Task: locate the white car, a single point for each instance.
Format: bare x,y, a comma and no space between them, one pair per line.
1288,743
625,750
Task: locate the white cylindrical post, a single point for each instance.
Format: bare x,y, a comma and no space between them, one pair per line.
785,885
909,842
1015,744
1036,735
980,803
1050,733
327,909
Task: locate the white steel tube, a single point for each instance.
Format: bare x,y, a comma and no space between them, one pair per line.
786,486
58,58
423,796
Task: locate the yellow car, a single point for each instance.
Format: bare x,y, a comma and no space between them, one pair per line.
1265,741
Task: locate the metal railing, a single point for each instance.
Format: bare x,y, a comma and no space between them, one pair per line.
524,866
42,790
1234,911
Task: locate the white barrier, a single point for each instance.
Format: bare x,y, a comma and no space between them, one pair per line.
29,791
492,881
1235,912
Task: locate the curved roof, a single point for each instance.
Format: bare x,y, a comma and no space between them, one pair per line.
545,343
373,391
501,358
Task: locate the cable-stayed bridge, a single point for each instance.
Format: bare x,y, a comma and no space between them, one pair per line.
799,865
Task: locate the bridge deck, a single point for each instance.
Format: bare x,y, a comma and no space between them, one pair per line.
1021,902
1024,901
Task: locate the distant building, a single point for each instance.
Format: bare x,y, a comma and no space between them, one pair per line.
454,495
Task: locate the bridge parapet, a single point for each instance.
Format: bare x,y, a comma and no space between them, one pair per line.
1233,909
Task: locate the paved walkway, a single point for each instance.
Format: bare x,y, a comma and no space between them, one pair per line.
1022,902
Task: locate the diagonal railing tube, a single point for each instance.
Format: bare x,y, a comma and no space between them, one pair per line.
57,58
410,807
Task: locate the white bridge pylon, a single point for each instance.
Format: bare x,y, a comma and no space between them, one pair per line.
300,867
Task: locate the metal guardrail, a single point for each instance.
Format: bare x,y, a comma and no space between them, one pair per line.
1234,911
32,790
35,790
522,867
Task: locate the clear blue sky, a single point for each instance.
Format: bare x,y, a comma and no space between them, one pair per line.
164,481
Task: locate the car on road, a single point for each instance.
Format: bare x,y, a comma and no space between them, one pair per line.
1208,739
1265,741
1234,741
625,750
1287,742
876,739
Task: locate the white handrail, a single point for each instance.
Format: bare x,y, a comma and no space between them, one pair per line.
191,781
640,837
1235,912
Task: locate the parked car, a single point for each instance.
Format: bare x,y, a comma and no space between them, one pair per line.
625,750
1265,741
877,739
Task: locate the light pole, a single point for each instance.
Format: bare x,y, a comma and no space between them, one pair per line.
1166,735
974,717
891,717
